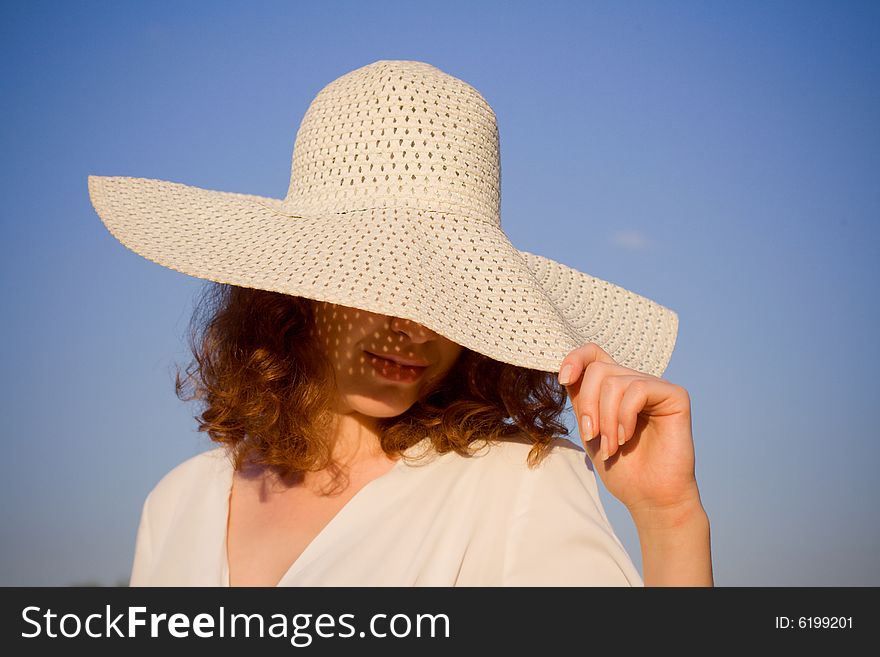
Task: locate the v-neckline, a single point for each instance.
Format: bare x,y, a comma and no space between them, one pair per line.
317,538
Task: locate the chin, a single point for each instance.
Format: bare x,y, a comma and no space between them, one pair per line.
375,408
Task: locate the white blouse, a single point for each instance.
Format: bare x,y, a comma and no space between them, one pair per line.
445,520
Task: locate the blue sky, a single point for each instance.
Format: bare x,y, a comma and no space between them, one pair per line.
719,158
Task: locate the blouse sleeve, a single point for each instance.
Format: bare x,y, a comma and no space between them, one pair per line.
143,551
559,534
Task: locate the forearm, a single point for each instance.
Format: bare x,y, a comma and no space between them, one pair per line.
676,548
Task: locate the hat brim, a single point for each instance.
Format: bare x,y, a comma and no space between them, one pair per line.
458,276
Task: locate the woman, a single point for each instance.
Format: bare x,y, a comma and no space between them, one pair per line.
385,372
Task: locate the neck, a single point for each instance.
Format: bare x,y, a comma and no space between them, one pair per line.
356,439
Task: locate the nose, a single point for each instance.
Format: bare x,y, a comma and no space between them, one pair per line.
413,330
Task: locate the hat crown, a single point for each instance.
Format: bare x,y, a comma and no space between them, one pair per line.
397,134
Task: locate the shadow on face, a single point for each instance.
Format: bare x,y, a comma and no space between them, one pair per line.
382,363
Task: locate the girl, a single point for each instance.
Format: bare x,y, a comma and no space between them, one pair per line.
384,372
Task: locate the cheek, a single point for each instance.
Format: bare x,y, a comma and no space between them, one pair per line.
451,355
341,331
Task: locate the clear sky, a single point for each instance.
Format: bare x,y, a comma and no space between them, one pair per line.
720,158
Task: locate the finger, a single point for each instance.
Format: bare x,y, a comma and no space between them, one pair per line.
573,370
611,390
634,399
585,400
577,360
591,447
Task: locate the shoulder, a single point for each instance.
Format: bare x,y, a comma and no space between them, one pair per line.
193,474
564,466
179,518
563,480
560,456
503,464
559,533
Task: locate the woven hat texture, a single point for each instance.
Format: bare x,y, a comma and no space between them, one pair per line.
393,207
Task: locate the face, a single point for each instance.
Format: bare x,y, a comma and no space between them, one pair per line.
382,363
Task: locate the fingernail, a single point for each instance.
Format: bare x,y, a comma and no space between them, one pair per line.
587,424
604,452
565,375
621,434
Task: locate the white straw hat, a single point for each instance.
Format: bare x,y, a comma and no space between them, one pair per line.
394,208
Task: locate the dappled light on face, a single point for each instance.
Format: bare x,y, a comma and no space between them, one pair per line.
403,351
339,330
381,348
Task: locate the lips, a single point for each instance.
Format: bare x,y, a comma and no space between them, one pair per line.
406,362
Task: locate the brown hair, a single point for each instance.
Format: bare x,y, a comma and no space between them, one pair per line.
267,389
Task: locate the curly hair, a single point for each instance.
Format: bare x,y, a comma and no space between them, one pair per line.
267,389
